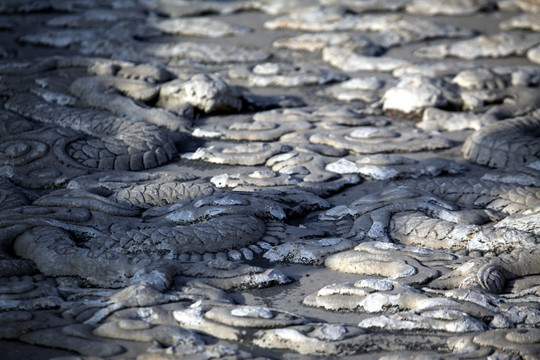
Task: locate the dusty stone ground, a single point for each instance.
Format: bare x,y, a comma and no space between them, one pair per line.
269,179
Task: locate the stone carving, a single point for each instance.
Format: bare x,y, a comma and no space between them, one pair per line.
255,153
435,69
434,119
118,145
534,54
286,75
269,179
319,41
122,259
391,29
207,53
98,92
519,144
350,60
199,27
364,89
389,166
259,130
420,92
502,44
523,21
207,93
370,140
457,7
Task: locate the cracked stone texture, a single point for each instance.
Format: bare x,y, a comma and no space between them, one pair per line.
269,179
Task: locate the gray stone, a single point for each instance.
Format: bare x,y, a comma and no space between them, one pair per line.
392,29
368,5
375,296
57,38
503,143
526,175
435,69
199,26
345,115
524,21
523,341
275,7
349,60
174,8
209,93
497,45
104,93
453,7
259,130
319,41
416,92
254,153
92,17
386,167
371,140
534,54
479,78
60,338
232,323
369,260
109,151
207,53
258,178
448,320
434,119
364,89
285,75
307,251
106,233
312,339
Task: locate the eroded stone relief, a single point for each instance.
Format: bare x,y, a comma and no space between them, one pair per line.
269,179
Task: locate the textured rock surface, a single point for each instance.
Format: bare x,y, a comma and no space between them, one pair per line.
416,92
497,45
269,179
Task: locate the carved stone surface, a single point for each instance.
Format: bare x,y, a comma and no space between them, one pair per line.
497,45
453,7
269,179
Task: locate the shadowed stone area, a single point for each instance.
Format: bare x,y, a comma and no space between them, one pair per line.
296,179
